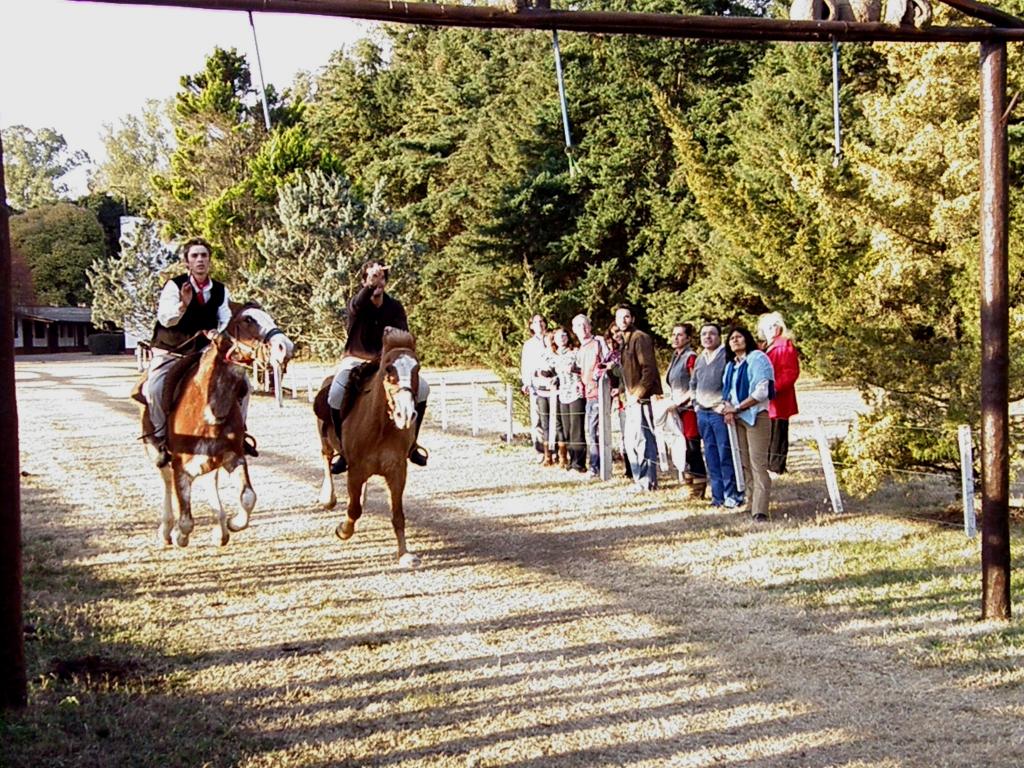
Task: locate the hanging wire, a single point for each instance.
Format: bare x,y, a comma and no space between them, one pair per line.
561,98
259,69
837,152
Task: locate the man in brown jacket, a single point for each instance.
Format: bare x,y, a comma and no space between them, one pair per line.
640,380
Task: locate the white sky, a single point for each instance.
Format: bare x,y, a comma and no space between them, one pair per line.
73,66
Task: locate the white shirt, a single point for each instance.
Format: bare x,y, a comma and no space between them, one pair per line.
170,310
533,358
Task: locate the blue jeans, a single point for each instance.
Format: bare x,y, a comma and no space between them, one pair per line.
717,456
592,440
642,446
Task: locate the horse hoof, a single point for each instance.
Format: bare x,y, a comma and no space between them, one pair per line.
409,560
163,536
238,523
221,538
181,539
327,503
185,526
345,530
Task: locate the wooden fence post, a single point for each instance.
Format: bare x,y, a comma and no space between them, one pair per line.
825,453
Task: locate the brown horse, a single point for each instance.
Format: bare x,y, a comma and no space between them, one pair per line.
205,426
379,429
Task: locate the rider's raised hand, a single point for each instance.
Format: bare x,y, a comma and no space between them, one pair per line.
186,293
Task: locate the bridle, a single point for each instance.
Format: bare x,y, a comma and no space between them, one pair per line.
248,351
391,390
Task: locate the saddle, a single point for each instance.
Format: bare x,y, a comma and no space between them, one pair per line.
177,374
358,382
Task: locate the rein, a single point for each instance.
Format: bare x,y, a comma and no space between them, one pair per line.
249,351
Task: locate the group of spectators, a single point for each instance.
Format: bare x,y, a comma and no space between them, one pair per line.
726,404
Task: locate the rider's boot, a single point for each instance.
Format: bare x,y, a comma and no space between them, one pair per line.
418,454
339,465
162,457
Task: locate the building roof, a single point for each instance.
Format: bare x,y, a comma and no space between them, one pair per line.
55,314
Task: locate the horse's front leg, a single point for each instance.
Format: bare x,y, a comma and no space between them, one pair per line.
327,499
167,515
221,536
246,499
182,498
396,487
356,482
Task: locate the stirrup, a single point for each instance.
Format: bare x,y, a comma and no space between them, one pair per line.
249,445
418,455
339,465
163,457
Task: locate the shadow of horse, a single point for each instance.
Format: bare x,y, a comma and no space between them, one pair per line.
206,424
379,413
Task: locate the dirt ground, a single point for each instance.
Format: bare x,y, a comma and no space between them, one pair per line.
553,621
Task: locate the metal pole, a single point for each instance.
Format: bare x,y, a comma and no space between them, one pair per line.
995,347
604,426
837,130
13,682
561,99
508,414
967,479
476,405
259,69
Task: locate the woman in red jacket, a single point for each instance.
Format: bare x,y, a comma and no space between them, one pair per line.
786,362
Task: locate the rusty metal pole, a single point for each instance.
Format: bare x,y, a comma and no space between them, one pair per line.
13,692
995,344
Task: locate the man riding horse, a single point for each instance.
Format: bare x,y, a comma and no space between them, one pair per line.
370,311
191,306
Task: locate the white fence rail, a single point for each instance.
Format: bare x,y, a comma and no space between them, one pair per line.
483,405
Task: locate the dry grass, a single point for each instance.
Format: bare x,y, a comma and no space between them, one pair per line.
554,622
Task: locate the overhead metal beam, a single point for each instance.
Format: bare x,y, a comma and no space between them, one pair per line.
603,22
985,12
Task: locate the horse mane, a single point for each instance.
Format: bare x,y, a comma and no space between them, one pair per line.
237,306
395,338
361,377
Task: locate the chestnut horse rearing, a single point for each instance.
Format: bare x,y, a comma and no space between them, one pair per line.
378,431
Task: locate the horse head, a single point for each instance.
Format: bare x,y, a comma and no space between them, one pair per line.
400,372
251,324
220,376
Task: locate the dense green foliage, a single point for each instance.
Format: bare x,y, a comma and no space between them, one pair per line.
58,243
35,163
311,264
137,150
126,285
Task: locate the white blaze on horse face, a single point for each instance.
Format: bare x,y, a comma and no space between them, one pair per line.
405,403
281,347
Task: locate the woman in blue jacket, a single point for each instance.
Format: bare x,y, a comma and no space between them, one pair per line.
746,389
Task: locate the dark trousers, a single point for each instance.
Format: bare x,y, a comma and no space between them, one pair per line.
543,421
571,432
694,458
778,446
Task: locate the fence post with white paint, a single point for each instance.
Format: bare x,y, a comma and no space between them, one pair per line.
475,397
825,452
604,426
444,404
967,479
509,428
